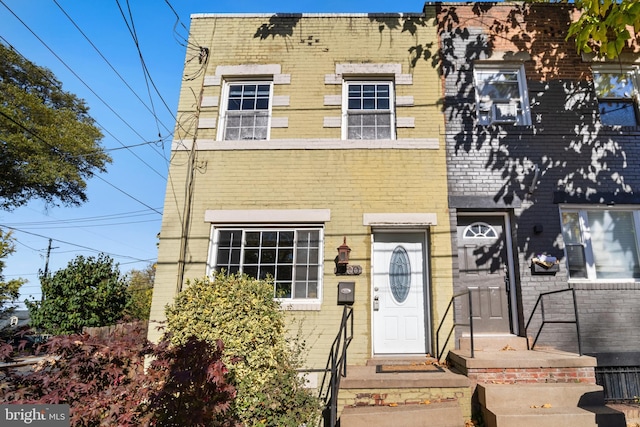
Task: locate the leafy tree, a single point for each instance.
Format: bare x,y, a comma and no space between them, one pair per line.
241,312
9,290
603,25
140,286
49,145
89,292
105,382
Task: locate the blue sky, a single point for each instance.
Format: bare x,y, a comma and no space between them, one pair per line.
123,215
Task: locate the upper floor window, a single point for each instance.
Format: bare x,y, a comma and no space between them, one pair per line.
290,256
601,243
501,96
246,111
617,92
368,110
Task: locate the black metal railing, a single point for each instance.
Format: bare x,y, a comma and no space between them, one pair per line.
439,350
336,368
540,303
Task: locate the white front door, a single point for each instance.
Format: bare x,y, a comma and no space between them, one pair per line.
399,293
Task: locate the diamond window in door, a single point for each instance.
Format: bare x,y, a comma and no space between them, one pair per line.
399,274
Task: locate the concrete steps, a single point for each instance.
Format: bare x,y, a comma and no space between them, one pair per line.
546,404
407,397
443,414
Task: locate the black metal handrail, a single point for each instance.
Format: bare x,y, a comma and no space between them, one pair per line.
540,302
336,368
440,351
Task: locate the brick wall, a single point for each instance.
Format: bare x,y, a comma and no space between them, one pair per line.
290,172
495,165
532,375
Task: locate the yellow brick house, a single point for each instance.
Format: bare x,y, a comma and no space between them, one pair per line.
297,134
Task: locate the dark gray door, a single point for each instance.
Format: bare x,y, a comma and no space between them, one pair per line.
482,257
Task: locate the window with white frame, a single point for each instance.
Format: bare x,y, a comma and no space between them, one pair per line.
246,111
501,95
617,92
368,110
601,244
290,256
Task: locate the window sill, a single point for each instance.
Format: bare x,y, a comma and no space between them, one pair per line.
312,305
605,285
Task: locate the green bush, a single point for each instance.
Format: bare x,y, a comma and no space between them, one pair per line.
241,312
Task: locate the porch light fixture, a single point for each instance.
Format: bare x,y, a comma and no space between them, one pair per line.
343,253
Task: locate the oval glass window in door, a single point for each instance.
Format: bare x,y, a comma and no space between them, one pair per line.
399,274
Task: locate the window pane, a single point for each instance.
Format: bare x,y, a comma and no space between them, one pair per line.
284,273
251,256
283,290
613,241
285,256
269,238
312,290
620,113
286,238
267,271
571,228
613,85
576,262
251,271
270,253
301,290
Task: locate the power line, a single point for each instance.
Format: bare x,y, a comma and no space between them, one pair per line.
98,123
63,154
73,72
73,244
110,65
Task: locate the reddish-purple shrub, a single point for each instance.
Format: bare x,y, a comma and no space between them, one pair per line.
105,381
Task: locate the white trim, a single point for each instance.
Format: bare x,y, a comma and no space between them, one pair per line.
378,69
399,219
299,304
332,122
333,100
585,234
248,70
404,79
310,144
281,100
405,122
282,79
207,123
225,100
525,115
267,216
212,81
209,101
279,122
345,103
405,101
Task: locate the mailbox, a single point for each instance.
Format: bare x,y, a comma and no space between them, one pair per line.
346,292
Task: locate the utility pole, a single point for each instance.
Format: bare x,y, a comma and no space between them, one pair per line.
46,263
